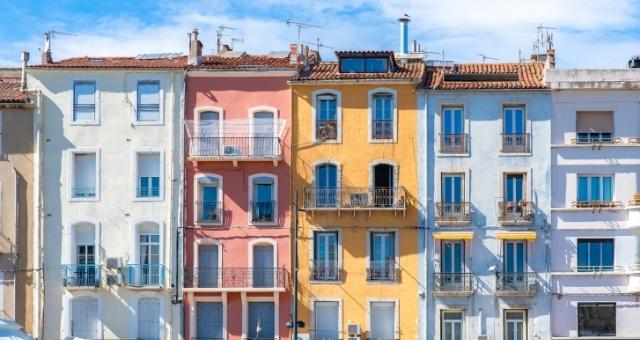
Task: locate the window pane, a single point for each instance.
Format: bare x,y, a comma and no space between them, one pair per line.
148,100
595,189
348,65
583,188
508,121
84,100
607,194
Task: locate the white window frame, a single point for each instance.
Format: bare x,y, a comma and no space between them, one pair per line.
312,249
135,305
275,199
338,95
397,314
208,241
135,245
134,101
394,129
193,316
245,311
67,314
69,257
197,197
134,172
440,327
96,120
396,237
525,319
72,171
218,109
312,312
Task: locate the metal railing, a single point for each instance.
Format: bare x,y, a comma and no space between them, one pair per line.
452,282
140,275
453,212
326,129
597,204
263,211
208,212
515,142
454,143
599,268
148,192
234,277
516,282
235,147
325,271
381,129
383,271
83,192
521,211
81,275
596,138
354,198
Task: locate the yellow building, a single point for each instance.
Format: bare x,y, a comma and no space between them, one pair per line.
355,170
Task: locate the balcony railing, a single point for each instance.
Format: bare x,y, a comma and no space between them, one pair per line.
381,129
83,192
453,212
326,129
383,271
354,198
233,277
208,212
148,192
454,143
596,138
263,211
235,148
453,282
81,275
597,204
325,271
520,212
599,268
141,275
516,283
515,142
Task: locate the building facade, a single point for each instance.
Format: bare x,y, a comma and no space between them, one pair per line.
484,188
110,137
594,203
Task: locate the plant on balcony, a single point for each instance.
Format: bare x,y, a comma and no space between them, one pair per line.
636,199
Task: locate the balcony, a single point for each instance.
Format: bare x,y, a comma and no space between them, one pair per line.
354,199
597,206
326,130
458,213
452,284
516,284
454,143
516,213
235,149
326,272
633,218
515,143
381,129
383,271
208,213
83,192
81,275
598,138
263,211
144,275
235,279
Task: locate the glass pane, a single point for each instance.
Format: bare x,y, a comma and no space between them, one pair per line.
595,254
509,261
457,189
447,189
595,189
583,188
607,193
508,121
519,121
607,253
583,253
458,257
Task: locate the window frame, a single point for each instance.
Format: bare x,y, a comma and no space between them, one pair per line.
200,181
193,319
313,248
442,321
326,299
161,98
394,114
525,320
135,301
597,305
67,313
135,171
369,247
72,171
601,186
396,303
363,60
274,194
96,98
592,268
314,114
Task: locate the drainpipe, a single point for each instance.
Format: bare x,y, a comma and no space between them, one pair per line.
295,266
38,290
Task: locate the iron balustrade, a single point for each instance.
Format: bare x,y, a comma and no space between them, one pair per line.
381,129
453,282
354,198
81,275
235,277
383,271
263,211
521,211
325,271
235,147
326,129
83,192
599,268
454,143
595,138
148,192
597,204
515,142
453,212
140,275
208,212
516,282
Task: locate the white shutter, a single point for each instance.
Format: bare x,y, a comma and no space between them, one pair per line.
149,319
382,320
326,320
84,319
85,234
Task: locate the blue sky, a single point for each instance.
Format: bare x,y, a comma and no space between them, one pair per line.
589,33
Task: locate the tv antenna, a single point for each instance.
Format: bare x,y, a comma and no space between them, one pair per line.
544,39
219,34
319,45
236,40
486,57
300,26
50,35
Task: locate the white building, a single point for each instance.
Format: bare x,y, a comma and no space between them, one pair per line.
111,145
595,219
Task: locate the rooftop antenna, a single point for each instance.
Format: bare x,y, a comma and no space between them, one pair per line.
220,34
319,45
544,39
300,26
51,34
486,57
238,40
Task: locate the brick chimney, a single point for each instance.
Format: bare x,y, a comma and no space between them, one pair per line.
195,48
46,52
293,53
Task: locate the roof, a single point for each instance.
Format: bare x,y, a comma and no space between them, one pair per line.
117,63
329,71
245,62
496,76
10,88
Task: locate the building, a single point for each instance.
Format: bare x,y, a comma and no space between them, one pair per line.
17,251
484,188
110,132
595,217
237,195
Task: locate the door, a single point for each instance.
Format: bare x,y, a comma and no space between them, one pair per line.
209,209
209,323
149,270
515,325
326,184
383,185
326,256
148,319
261,320
453,129
383,321
515,265
513,196
452,326
209,139
263,266
85,274
264,200
264,134
514,129
452,265
326,320
452,195
208,271
383,256
84,318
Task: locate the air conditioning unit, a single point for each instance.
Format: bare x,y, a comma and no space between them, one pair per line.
114,262
354,331
231,150
114,279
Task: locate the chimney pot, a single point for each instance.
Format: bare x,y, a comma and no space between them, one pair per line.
404,34
195,48
24,57
293,53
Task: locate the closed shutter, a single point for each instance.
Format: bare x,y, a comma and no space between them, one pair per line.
209,320
326,320
149,319
594,121
383,322
84,319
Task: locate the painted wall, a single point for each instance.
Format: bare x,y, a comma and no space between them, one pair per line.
355,155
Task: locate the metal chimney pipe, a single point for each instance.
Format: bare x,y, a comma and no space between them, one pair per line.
24,57
404,34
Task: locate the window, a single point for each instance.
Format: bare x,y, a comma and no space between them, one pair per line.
85,323
326,190
515,324
264,268
327,320
209,140
148,319
596,319
382,124
326,117
384,188
84,180
364,65
452,204
595,255
149,269
452,277
515,257
148,180
85,273
208,266
514,187
382,320
594,189
148,101
265,142
382,266
209,199
451,325
514,130
263,200
325,256
209,322
453,138
594,127
84,101
261,321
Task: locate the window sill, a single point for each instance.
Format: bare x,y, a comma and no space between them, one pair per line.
148,123
588,209
264,224
515,154
382,141
322,282
83,199
204,224
447,154
88,123
148,199
318,141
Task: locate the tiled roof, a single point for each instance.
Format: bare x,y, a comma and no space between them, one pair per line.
10,91
117,63
412,71
526,75
244,63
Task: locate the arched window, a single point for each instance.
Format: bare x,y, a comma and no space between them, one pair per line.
147,268
326,185
326,117
384,184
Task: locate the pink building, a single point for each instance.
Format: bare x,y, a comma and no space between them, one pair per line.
237,187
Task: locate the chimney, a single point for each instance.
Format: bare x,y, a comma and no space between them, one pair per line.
195,48
404,34
293,53
24,57
46,54
550,60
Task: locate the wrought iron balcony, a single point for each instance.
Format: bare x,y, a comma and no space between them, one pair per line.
452,284
515,143
381,129
81,275
235,148
516,213
142,275
516,284
263,211
234,278
325,271
454,143
354,199
208,212
326,129
457,213
383,271
597,205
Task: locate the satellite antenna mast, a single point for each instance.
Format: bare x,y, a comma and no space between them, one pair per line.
51,34
236,40
486,57
543,37
319,45
300,26
220,34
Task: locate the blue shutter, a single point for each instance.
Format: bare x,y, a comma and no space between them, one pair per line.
607,193
582,188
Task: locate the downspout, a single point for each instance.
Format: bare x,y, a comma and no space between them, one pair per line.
38,250
179,153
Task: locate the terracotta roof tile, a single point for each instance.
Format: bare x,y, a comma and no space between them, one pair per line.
10,91
412,71
244,62
514,76
117,63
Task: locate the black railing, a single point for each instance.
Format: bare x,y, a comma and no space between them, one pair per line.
452,282
325,271
516,282
521,211
515,142
381,129
383,271
235,147
208,212
326,129
354,198
234,277
263,211
453,212
454,143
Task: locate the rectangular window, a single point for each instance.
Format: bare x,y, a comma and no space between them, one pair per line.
149,271
515,324
451,325
452,188
452,137
148,175
382,266
595,189
84,175
326,314
382,117
514,187
263,200
364,65
148,101
326,117
84,101
261,323
515,138
383,320
595,255
596,319
325,256
209,320
515,257
594,127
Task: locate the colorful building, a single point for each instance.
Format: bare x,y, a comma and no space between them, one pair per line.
237,184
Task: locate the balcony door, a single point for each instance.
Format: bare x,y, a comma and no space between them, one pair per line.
452,194
263,133
514,265
263,266
85,270
514,122
208,271
263,200
261,321
209,137
209,322
325,256
452,265
149,270
148,319
453,130
383,256
326,185
383,185
209,211
84,318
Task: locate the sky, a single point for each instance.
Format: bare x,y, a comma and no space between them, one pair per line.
586,34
